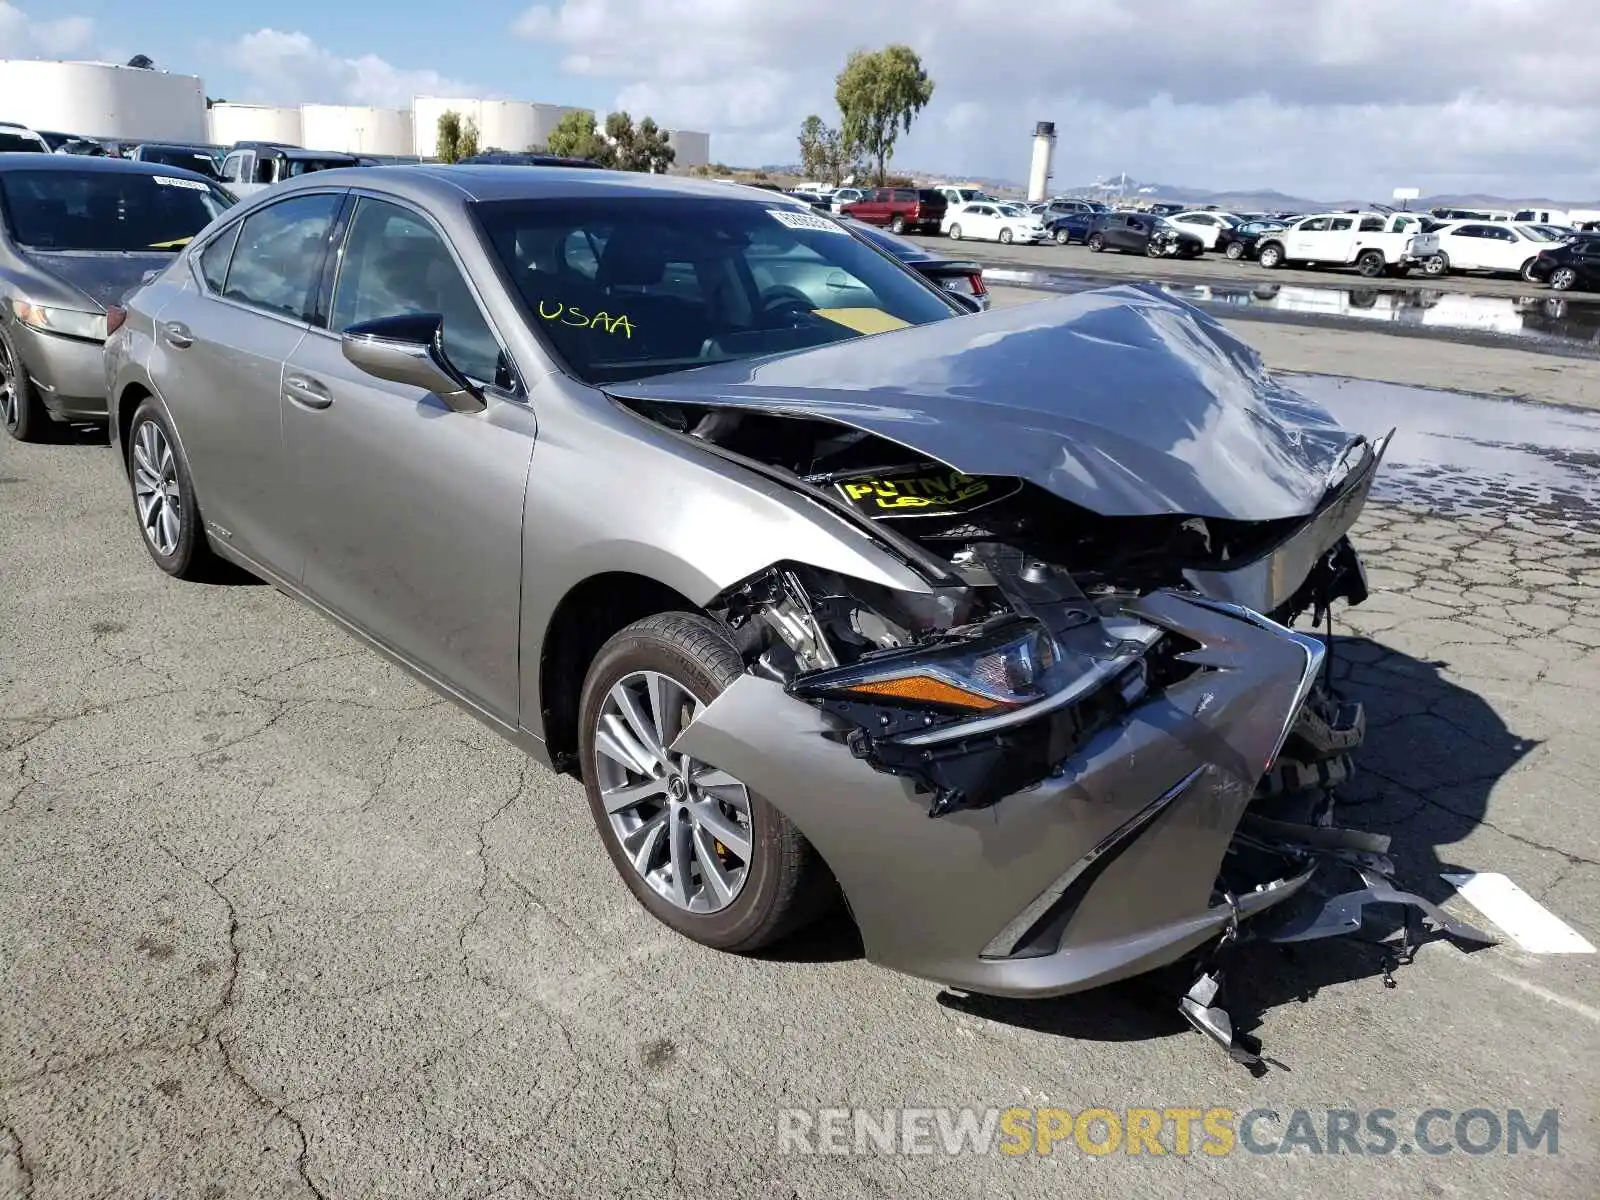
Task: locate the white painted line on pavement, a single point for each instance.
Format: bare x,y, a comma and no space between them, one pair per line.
1524,920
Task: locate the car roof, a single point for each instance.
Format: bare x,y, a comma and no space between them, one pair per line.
473,182
82,162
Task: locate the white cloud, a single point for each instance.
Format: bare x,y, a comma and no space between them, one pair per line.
1335,98
23,36
289,68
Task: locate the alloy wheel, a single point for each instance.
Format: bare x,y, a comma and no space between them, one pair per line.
10,401
1563,279
684,825
156,491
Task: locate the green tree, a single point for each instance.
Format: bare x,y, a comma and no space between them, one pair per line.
879,93
457,139
813,147
577,136
652,151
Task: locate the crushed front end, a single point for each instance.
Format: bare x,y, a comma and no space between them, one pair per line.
1095,743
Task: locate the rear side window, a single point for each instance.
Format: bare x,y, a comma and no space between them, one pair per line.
1340,224
905,194
20,143
278,258
214,258
1371,224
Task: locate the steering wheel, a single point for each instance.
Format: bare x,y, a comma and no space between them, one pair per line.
786,302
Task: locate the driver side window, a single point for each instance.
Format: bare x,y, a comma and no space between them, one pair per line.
395,264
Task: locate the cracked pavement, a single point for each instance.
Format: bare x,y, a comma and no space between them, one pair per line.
275,921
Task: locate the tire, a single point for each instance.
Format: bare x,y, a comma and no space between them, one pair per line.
898,225
21,411
955,233
1435,266
1096,242
1563,279
163,496
1063,238
1527,270
1271,256
1005,236
1370,264
781,885
1153,250
1234,251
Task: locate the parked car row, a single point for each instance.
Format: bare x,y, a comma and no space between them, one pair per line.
742,523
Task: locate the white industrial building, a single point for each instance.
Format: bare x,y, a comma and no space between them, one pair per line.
690,148
102,100
230,123
514,125
356,129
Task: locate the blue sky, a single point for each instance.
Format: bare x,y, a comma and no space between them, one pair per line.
1324,99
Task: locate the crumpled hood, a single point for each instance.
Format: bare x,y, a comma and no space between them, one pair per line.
1124,401
104,276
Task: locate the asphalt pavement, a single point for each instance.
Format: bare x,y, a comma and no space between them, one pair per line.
276,921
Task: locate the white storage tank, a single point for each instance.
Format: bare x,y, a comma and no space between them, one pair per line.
232,123
102,100
507,125
691,148
356,129
546,118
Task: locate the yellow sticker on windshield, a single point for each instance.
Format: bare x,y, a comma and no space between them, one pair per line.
569,314
863,320
174,244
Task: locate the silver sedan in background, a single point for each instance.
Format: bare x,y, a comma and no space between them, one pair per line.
76,234
696,494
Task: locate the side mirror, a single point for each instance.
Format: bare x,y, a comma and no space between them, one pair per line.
409,350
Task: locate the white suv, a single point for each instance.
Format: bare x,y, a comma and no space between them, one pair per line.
1374,243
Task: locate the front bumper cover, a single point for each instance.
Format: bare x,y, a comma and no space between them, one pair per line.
1104,870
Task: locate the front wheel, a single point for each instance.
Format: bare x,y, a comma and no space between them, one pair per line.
1234,251
1271,256
898,225
20,409
1564,279
1005,237
1097,243
1063,238
955,233
703,853
1435,265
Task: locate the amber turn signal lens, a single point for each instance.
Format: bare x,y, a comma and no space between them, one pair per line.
926,690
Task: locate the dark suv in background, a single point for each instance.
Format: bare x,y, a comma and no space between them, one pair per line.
1142,233
901,209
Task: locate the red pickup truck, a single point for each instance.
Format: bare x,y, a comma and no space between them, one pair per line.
901,209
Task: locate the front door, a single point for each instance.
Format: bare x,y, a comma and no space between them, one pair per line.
412,513
1306,240
220,346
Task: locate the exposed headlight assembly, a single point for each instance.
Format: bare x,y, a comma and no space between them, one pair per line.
69,322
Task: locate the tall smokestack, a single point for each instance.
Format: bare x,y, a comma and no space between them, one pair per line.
1044,145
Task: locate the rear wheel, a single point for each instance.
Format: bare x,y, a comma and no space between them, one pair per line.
1234,251
1564,279
898,225
1370,264
1271,256
1527,270
1097,242
20,409
163,497
705,855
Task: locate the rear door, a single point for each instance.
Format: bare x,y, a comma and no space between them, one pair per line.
412,513
219,351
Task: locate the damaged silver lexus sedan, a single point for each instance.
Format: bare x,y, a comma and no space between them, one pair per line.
818,582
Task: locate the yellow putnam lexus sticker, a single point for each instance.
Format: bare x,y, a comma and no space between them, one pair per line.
863,320
925,493
568,314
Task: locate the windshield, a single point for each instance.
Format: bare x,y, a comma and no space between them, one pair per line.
629,287
11,143
1015,210
1534,234
304,166
176,156
106,210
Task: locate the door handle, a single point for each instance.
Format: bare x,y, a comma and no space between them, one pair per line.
306,392
177,335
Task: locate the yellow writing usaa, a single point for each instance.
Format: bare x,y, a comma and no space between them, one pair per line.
569,314
1101,1131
